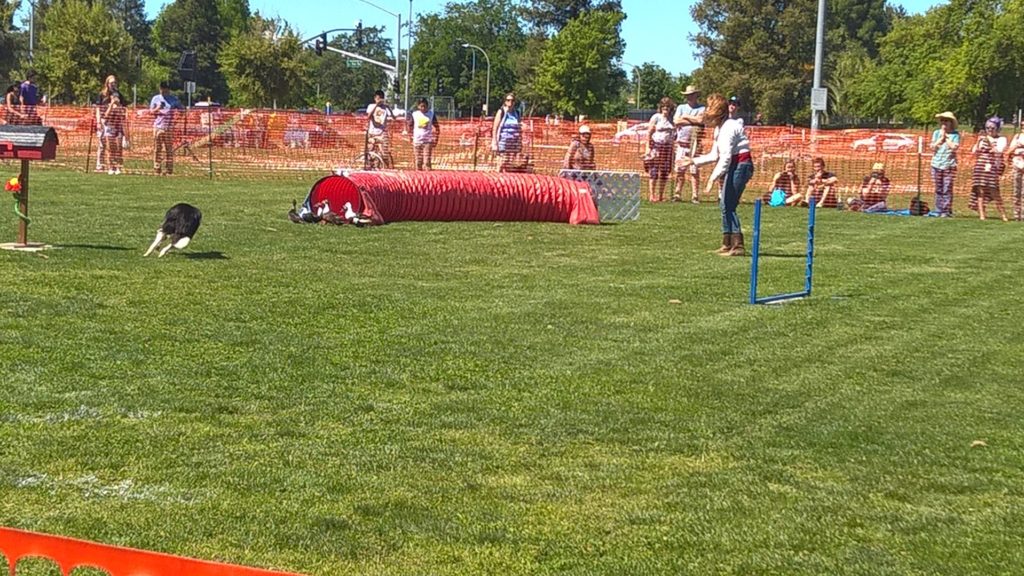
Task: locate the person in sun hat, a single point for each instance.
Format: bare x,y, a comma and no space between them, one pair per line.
945,142
580,155
689,121
873,191
988,167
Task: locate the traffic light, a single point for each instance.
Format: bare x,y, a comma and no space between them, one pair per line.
394,86
320,44
359,34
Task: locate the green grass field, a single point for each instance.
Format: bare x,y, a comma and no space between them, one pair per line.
515,398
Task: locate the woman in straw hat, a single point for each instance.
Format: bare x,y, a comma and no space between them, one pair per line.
734,167
945,142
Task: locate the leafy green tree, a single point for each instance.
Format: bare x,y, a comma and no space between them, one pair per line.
132,15
83,43
194,25
553,15
654,83
11,41
578,72
966,56
266,65
234,17
858,24
443,66
761,51
346,83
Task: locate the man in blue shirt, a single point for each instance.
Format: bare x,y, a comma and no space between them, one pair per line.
28,95
162,108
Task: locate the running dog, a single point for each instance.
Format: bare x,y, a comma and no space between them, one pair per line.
180,223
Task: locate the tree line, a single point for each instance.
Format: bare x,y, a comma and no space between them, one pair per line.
560,56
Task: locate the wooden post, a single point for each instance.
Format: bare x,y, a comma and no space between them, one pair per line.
23,204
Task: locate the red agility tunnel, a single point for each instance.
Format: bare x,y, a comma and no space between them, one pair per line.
392,196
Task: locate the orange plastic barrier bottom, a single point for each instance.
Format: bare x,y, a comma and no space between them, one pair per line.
70,553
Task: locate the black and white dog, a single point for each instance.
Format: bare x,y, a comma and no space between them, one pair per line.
180,223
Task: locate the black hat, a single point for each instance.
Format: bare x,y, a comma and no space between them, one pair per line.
734,100
165,85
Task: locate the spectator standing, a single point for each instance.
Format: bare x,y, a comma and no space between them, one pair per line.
425,132
1016,154
102,102
734,109
988,167
758,119
734,167
115,134
689,121
11,112
945,142
507,133
658,155
28,97
580,155
377,135
162,108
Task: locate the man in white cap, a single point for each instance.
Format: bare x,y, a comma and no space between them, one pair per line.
689,121
580,155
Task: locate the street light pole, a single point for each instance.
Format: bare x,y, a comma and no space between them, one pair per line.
398,47
487,97
408,58
31,29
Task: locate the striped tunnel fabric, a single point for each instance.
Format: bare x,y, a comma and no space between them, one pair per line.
391,196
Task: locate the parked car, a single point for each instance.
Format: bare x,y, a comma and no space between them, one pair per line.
634,134
887,142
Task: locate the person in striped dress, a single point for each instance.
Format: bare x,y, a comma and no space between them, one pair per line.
988,167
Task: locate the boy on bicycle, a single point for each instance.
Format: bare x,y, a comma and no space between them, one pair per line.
377,136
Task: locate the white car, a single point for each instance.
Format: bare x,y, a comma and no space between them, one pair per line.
887,142
633,134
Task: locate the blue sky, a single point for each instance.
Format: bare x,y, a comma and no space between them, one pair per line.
652,34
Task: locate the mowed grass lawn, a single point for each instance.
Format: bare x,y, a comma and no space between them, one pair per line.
514,398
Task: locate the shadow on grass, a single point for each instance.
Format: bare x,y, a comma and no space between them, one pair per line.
775,255
92,247
206,256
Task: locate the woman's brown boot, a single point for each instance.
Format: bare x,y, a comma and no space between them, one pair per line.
726,244
737,246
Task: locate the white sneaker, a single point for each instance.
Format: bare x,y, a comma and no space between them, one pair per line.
110,172
117,171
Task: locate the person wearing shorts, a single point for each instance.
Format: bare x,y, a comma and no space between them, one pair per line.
689,120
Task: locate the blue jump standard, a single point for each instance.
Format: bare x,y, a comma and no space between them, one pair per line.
775,298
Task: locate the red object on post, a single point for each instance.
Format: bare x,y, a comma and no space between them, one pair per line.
26,143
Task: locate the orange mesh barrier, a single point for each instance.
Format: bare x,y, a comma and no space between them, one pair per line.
70,553
269,143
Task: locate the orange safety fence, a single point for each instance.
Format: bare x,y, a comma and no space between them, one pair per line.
70,553
267,143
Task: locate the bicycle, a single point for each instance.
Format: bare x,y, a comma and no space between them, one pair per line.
375,157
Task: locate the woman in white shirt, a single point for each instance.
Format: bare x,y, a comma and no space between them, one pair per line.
425,131
661,133
1016,154
734,167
